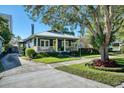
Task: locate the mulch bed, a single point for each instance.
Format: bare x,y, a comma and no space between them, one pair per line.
107,63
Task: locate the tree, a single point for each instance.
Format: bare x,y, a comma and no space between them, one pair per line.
4,31
102,21
15,39
120,35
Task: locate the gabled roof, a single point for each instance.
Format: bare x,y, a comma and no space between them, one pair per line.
51,34
1,38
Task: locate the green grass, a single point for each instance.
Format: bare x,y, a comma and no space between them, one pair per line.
120,61
90,56
114,54
110,78
49,60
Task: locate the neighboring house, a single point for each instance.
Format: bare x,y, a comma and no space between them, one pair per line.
51,41
1,44
116,46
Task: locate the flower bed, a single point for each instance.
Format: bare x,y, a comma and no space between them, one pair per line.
107,63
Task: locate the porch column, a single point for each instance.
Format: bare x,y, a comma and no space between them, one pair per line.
77,44
36,43
64,45
33,42
56,45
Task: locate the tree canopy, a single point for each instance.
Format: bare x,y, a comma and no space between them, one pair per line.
4,30
102,21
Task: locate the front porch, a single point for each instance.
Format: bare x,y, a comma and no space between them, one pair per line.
54,45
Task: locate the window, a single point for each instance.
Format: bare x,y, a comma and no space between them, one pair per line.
35,42
47,43
42,43
38,41
69,43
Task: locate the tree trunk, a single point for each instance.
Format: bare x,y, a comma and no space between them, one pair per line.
104,53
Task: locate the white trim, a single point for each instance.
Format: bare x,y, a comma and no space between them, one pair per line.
64,45
56,45
45,43
32,41
36,41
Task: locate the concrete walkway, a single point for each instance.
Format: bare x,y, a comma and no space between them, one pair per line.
40,75
82,60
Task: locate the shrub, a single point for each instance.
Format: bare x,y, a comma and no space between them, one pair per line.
84,51
53,54
75,53
30,52
40,55
122,49
88,51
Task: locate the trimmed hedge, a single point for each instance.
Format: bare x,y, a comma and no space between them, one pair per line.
88,51
51,54
30,52
84,51
40,55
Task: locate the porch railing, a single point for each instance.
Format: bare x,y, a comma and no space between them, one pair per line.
46,49
53,49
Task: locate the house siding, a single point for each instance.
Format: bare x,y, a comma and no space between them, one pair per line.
51,43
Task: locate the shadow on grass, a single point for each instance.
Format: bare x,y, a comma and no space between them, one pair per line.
120,61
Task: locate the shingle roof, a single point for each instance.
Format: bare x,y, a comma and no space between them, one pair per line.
51,34
57,35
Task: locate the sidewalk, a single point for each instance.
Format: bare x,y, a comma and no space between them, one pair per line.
82,60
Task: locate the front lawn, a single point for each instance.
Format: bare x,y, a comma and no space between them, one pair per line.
49,60
106,77
98,55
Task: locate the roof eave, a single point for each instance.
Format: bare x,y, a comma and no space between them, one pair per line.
58,37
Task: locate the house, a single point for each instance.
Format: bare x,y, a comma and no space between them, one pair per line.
116,46
51,41
1,44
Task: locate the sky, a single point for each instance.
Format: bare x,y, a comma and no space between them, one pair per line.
21,23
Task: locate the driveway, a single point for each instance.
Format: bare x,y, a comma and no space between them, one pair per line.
39,75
